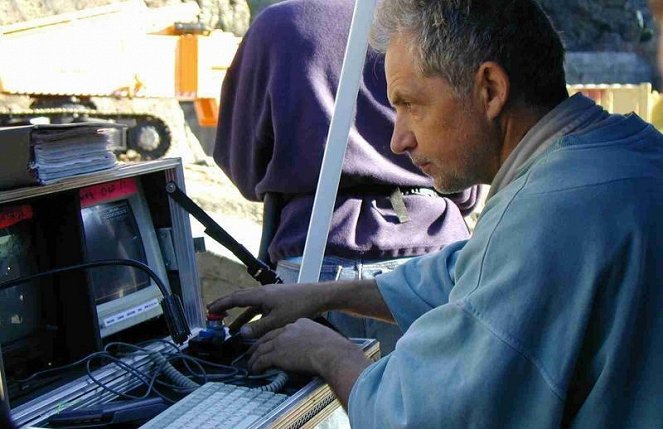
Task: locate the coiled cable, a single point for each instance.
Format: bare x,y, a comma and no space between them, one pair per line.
169,370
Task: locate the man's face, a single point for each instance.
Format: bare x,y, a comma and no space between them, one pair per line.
447,137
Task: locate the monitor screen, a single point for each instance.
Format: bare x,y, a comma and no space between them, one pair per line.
114,222
117,225
20,305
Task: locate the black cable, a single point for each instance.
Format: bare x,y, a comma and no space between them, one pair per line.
186,357
145,379
102,354
151,381
170,304
205,376
100,263
165,361
133,371
56,369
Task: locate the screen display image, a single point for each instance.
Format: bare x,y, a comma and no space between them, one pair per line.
114,223
20,305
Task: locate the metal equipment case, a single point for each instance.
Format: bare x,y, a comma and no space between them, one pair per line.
57,212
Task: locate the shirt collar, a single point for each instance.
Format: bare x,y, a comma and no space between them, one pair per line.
575,114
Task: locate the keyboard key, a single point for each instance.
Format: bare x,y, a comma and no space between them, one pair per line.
218,405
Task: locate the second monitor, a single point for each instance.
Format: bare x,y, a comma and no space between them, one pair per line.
117,225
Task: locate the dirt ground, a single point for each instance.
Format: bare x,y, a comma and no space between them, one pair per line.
215,193
212,190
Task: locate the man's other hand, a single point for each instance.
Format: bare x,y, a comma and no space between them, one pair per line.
308,347
278,304
303,346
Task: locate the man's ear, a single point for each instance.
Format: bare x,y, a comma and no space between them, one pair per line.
493,88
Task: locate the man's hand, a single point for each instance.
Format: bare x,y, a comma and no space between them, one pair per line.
278,304
283,304
308,347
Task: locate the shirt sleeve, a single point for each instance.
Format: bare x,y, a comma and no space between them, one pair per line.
451,371
406,290
451,368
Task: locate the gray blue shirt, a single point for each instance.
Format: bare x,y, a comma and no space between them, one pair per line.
551,315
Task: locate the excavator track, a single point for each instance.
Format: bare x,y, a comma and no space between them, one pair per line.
130,90
147,134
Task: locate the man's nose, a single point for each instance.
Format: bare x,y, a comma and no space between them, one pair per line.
402,139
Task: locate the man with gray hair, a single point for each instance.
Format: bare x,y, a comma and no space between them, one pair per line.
550,315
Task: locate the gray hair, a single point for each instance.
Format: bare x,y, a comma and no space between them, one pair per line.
452,38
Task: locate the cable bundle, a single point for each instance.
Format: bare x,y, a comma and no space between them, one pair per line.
162,374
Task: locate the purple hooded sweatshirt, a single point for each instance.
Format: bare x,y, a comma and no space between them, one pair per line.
277,102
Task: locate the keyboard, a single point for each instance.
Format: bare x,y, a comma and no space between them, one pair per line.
217,406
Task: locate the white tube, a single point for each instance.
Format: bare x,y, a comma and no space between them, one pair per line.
337,141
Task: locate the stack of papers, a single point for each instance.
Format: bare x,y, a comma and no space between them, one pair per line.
62,151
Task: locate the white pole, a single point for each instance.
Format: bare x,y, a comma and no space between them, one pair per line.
337,141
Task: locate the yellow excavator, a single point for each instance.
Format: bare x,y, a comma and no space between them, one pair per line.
125,61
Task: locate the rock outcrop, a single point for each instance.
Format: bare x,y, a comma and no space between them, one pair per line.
609,41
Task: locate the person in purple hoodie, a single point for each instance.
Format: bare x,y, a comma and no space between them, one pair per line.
276,106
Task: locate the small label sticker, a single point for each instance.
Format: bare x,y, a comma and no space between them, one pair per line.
103,192
132,312
12,215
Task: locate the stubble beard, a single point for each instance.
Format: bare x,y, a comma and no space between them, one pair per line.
449,179
452,183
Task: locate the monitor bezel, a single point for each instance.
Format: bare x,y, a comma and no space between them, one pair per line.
141,305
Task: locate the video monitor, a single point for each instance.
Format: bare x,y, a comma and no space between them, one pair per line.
117,225
20,305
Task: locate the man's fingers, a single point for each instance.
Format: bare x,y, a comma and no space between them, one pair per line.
266,325
237,299
267,337
221,305
260,353
260,363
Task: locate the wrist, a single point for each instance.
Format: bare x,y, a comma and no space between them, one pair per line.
342,357
341,295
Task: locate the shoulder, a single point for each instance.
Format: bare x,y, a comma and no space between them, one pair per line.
300,26
300,14
626,150
274,19
603,183
583,197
